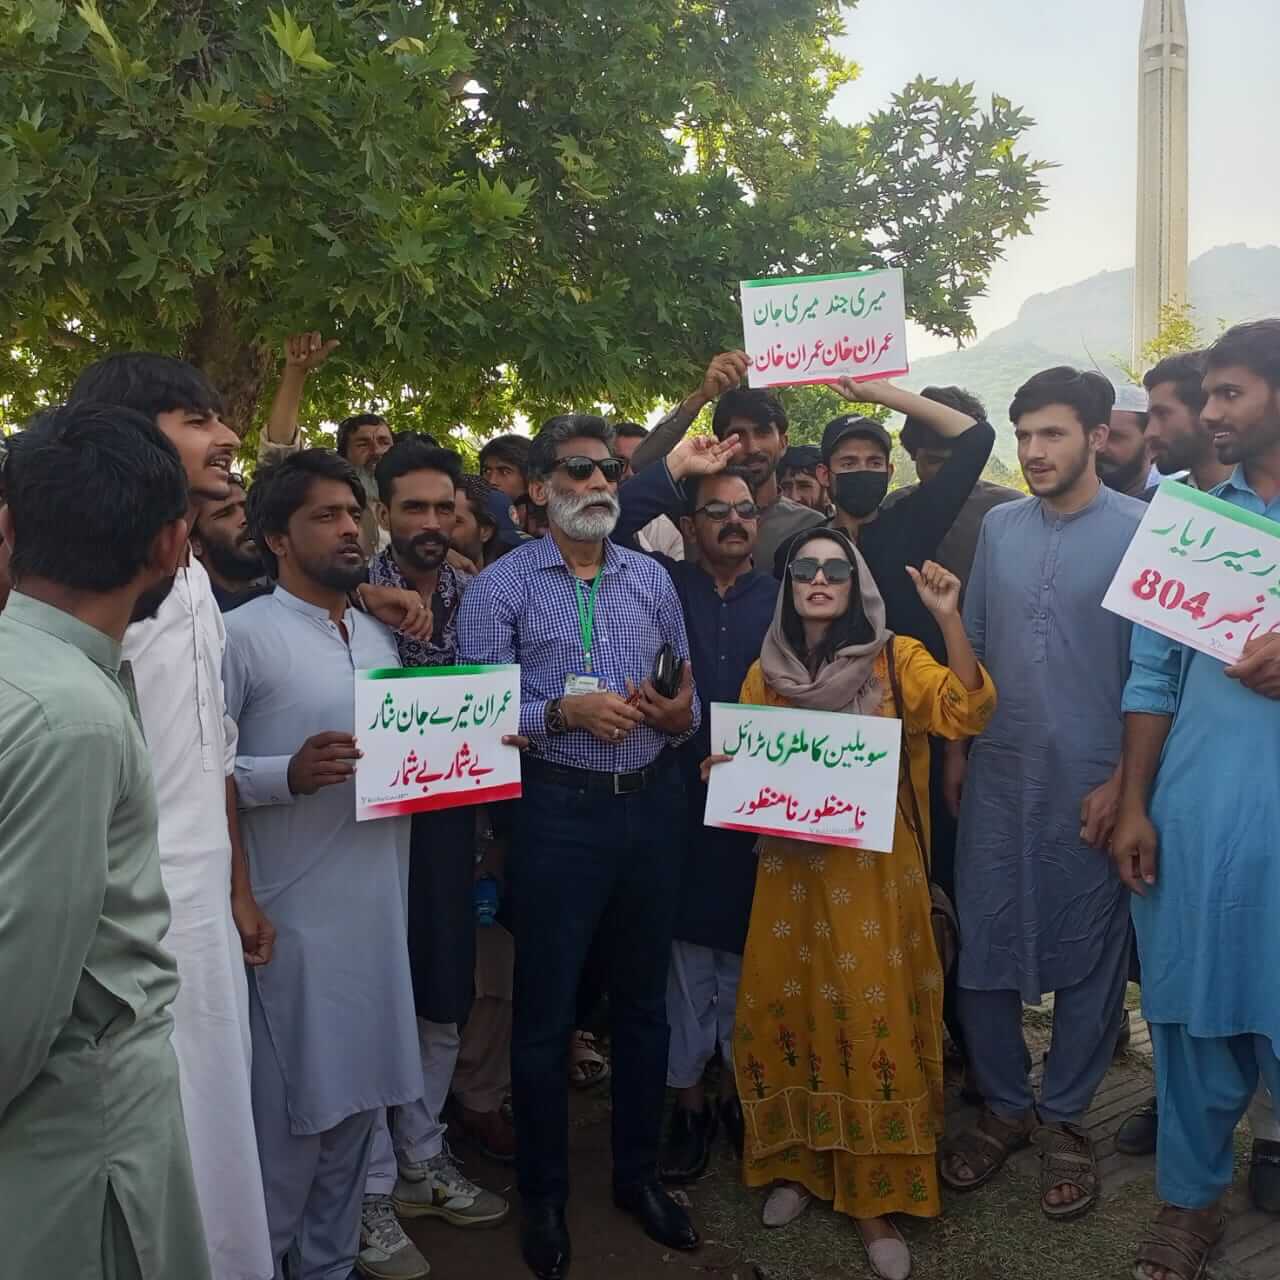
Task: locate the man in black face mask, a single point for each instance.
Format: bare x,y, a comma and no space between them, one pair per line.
856,470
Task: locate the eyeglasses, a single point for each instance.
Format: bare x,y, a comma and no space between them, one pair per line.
717,510
806,569
580,467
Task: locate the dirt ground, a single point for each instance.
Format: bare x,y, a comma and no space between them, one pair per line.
998,1233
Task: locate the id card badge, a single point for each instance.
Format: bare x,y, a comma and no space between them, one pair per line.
576,683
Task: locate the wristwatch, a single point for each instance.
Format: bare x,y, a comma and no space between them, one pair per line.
553,717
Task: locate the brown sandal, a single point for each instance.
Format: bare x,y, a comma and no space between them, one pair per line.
1067,1159
984,1149
1178,1243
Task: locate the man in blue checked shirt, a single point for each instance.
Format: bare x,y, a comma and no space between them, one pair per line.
595,842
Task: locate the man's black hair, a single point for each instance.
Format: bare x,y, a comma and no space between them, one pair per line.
478,489
630,431
693,486
148,383
411,454
804,458
513,450
349,426
1088,394
555,431
1254,346
90,486
281,488
851,627
1186,372
916,435
761,407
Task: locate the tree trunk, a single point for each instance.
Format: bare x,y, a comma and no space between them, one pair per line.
236,363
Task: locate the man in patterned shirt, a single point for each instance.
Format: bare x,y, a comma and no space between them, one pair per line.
417,487
591,847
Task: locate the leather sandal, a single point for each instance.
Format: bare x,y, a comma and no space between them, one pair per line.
984,1149
1067,1159
1180,1241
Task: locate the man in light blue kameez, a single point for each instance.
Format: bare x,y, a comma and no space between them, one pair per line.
332,1016
1202,750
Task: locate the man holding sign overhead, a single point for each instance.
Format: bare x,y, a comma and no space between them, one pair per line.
1196,842
332,1016
596,630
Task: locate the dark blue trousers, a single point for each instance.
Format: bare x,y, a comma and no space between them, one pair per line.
584,860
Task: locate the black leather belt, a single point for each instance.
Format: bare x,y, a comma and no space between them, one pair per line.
617,784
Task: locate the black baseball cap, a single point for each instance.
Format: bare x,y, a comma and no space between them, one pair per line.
800,457
854,424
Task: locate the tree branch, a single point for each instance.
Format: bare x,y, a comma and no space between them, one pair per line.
68,340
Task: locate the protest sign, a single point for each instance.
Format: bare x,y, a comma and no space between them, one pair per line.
1200,571
801,329
807,775
431,738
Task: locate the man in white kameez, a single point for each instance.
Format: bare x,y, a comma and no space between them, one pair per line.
216,925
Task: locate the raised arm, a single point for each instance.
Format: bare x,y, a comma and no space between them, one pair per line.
725,371
941,418
302,353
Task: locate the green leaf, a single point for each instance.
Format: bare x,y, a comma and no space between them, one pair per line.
297,43
93,19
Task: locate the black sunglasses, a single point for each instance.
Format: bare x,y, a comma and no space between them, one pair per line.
580,467
835,571
717,510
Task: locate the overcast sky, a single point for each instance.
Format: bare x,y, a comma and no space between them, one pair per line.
1073,67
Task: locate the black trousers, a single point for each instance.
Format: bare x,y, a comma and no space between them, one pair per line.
584,861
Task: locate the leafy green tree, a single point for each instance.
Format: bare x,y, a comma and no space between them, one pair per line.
1176,332
502,206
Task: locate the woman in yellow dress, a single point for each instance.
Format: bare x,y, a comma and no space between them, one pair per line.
838,1040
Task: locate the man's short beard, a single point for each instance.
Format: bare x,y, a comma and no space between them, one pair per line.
147,605
568,512
335,575
411,551
232,563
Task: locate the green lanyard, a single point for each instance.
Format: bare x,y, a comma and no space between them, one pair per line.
587,616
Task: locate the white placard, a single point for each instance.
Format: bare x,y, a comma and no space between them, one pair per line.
431,738
1200,571
806,775
802,329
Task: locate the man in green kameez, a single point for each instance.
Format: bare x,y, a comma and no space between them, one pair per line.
95,1174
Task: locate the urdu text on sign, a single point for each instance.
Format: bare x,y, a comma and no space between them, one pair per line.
807,329
431,738
1202,572
819,776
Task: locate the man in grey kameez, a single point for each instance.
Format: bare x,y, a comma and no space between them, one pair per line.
332,1017
95,1171
1040,910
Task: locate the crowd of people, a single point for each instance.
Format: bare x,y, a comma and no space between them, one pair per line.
240,1024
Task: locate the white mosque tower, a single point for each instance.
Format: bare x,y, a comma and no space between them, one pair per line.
1161,274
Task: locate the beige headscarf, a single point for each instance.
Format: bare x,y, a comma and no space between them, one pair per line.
848,681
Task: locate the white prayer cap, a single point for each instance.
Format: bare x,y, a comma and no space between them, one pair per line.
1131,398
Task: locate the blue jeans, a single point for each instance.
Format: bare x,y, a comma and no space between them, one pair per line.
583,861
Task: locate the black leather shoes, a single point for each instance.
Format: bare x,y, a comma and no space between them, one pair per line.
1264,1175
734,1125
687,1150
544,1240
662,1219
1137,1135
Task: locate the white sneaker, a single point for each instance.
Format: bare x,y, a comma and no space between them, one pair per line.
386,1253
785,1204
435,1188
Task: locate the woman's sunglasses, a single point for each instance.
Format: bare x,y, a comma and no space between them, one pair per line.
579,467
805,569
